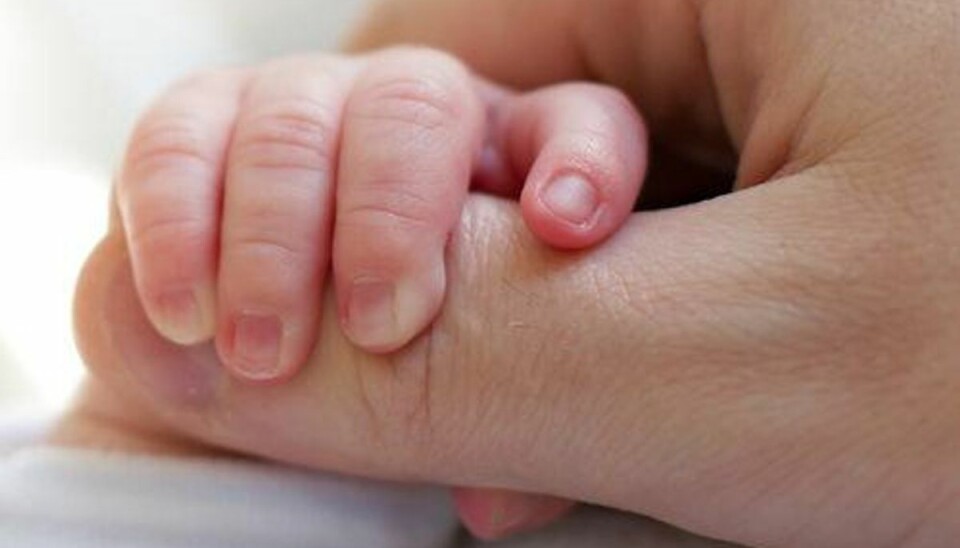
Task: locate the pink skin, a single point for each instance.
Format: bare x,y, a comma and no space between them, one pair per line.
411,127
582,137
241,189
232,179
492,514
277,217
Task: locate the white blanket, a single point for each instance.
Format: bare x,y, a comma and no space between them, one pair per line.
58,498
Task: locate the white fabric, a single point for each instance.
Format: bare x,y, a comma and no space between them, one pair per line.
21,429
59,498
64,498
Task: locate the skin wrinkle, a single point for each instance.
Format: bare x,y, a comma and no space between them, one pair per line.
397,395
865,80
289,134
230,78
726,63
433,95
375,418
734,395
806,146
478,289
708,289
460,321
587,368
175,146
826,456
789,126
529,361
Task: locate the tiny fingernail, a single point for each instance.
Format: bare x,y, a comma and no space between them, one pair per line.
172,373
572,199
257,341
185,316
371,318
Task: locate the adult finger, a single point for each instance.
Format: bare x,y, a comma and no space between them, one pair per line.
783,353
714,384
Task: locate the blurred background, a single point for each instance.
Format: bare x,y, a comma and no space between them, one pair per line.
73,77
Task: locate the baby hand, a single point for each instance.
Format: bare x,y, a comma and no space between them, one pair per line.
241,188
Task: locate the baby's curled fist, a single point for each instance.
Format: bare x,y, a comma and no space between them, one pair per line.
242,187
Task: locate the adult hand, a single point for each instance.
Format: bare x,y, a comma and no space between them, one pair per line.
714,79
775,367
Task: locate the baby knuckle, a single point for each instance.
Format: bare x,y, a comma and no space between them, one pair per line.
394,210
410,101
169,143
291,134
162,235
263,247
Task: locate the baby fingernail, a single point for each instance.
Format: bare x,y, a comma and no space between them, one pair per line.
182,376
382,316
371,318
256,345
572,199
185,316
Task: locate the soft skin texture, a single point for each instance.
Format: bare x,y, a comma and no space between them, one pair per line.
776,367
241,188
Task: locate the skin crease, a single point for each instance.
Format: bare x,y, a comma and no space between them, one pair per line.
786,353
231,180
199,157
